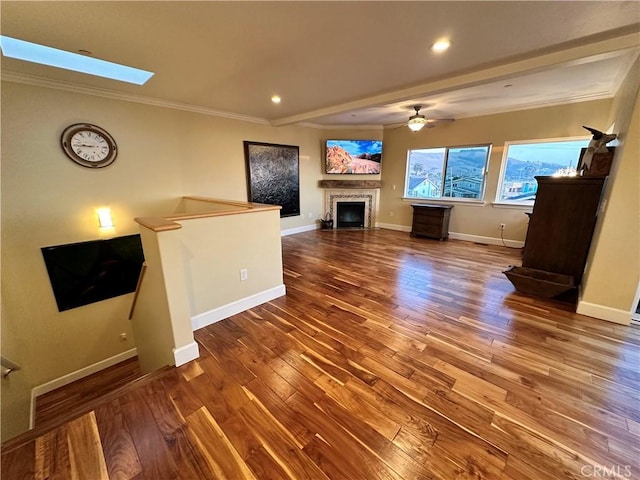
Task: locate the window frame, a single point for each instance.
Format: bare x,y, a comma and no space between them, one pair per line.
443,199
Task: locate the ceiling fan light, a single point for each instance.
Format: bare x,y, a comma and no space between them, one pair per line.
416,123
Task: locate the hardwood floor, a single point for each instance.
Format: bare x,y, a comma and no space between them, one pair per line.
61,402
389,358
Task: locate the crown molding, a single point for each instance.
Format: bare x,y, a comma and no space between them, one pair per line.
14,77
8,76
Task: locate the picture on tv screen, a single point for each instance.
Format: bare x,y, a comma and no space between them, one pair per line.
87,272
353,156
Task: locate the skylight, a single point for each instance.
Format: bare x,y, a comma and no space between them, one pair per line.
32,52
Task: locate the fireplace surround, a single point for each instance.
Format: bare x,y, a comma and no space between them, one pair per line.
369,197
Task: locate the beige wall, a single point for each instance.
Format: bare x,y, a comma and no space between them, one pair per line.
193,272
48,200
212,160
163,155
217,248
613,270
480,221
151,320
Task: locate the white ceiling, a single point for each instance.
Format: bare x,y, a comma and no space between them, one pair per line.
339,63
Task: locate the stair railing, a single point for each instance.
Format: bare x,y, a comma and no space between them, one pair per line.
135,295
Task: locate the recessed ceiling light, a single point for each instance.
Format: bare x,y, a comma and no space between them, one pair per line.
32,52
276,99
441,45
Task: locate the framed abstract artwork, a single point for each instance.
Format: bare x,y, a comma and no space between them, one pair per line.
273,175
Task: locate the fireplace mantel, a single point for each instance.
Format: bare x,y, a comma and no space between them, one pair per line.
345,184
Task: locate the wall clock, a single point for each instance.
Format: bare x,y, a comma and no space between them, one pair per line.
89,145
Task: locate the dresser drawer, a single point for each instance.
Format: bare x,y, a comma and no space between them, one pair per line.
427,220
430,212
427,230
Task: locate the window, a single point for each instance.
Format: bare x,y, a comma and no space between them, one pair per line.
523,161
447,172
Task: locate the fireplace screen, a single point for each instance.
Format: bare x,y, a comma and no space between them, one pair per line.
350,214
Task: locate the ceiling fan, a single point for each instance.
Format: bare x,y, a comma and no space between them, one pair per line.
418,121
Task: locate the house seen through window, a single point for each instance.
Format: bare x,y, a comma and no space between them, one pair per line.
447,172
523,161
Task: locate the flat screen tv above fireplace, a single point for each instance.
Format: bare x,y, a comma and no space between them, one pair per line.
353,156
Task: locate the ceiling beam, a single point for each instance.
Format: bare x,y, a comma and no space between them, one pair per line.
523,66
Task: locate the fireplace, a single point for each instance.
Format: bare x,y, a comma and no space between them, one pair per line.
350,214
366,199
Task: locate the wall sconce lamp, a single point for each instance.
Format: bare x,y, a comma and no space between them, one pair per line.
104,218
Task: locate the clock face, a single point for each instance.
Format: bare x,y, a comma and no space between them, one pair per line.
89,145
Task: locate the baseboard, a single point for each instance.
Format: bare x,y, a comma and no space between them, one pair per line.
186,353
486,240
233,308
460,236
601,312
393,226
73,376
292,231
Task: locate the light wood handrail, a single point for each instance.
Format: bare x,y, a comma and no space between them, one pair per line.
170,222
135,295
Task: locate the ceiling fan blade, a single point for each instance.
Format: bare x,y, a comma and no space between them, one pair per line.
430,122
441,120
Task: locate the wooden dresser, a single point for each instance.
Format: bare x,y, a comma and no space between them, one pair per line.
559,235
431,220
562,223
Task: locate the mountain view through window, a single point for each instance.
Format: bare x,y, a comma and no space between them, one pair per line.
447,172
524,161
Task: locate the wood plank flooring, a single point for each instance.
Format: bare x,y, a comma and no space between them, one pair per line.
53,405
389,358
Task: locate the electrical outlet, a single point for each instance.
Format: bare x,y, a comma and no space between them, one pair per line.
244,274
123,337
391,214
502,225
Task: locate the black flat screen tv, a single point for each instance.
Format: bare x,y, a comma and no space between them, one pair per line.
88,272
353,156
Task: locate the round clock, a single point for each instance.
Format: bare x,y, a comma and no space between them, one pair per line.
89,145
